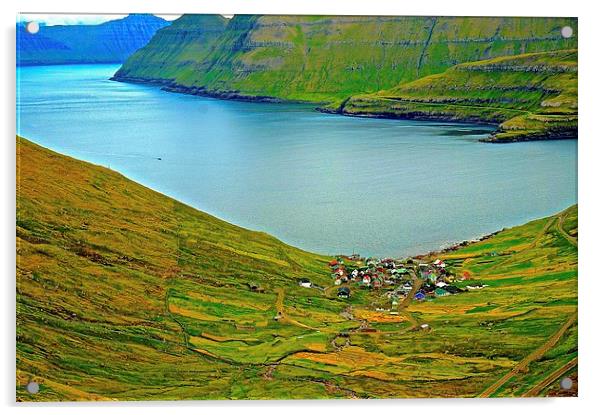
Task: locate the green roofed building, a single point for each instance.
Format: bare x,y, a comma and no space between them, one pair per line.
440,292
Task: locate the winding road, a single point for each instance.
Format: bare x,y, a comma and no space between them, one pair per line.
548,380
533,356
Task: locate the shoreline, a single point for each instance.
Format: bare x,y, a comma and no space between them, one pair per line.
458,245
450,247
490,139
411,117
171,86
438,247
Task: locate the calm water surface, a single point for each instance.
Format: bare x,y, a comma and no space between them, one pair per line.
322,182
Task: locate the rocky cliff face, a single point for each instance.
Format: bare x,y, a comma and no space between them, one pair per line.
326,58
110,42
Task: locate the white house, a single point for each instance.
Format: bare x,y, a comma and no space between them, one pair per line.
305,283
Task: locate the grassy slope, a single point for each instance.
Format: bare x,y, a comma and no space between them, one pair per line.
173,49
123,293
532,272
101,261
329,58
532,96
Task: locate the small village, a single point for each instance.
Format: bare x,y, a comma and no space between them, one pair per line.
397,279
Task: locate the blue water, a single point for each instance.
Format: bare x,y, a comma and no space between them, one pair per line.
325,183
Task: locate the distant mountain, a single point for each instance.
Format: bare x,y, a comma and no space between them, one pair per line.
329,58
109,42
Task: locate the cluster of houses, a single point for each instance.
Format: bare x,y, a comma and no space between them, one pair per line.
373,273
437,281
369,273
395,275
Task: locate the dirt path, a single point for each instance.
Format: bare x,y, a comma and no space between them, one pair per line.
547,381
532,245
328,291
538,353
416,284
280,301
541,234
560,228
172,317
286,319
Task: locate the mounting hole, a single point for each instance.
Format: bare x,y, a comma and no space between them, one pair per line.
566,32
566,383
32,27
33,387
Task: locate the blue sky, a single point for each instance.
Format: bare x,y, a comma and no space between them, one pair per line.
68,19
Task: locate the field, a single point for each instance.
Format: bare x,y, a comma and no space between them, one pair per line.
126,294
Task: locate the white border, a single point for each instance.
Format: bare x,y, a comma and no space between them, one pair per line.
337,7
590,210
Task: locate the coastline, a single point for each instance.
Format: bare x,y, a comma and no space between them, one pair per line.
171,86
440,240
447,248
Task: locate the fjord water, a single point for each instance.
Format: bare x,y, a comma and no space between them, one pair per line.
325,183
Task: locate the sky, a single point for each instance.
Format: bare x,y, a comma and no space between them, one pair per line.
69,19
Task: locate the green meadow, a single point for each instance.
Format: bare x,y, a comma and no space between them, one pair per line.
126,294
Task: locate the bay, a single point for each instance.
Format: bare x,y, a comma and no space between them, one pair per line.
322,182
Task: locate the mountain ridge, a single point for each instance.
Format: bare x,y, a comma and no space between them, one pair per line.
329,58
109,42
190,35
348,64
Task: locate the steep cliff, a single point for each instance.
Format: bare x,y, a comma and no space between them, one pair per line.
532,96
174,49
110,42
327,59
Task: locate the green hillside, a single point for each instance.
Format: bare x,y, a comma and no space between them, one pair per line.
531,96
104,266
329,58
124,293
172,51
